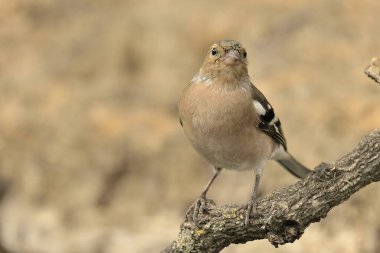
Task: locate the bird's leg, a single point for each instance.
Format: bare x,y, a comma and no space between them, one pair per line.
252,202
200,203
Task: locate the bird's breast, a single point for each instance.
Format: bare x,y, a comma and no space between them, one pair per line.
212,110
221,125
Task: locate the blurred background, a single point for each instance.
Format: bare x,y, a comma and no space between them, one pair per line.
92,156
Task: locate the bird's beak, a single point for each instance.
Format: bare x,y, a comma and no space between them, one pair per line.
232,57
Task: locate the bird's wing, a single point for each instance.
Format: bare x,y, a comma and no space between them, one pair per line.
269,123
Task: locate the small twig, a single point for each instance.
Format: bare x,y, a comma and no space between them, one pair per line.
373,70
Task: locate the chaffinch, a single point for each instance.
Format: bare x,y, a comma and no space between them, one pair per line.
230,122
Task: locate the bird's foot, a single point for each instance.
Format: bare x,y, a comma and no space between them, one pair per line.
251,207
197,208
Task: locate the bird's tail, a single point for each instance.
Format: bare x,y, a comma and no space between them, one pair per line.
294,167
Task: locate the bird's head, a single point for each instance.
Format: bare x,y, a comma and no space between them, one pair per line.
225,57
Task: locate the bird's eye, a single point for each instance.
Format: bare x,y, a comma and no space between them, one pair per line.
245,54
214,51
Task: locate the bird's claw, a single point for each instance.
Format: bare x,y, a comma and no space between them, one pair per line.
197,208
251,206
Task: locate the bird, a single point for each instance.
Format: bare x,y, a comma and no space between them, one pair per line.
230,123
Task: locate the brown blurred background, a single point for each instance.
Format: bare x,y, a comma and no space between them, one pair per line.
92,156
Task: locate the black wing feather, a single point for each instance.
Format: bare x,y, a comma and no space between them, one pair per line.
268,124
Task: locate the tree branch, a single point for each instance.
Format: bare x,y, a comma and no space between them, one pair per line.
283,216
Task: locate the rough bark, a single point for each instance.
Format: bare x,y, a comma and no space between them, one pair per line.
283,216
